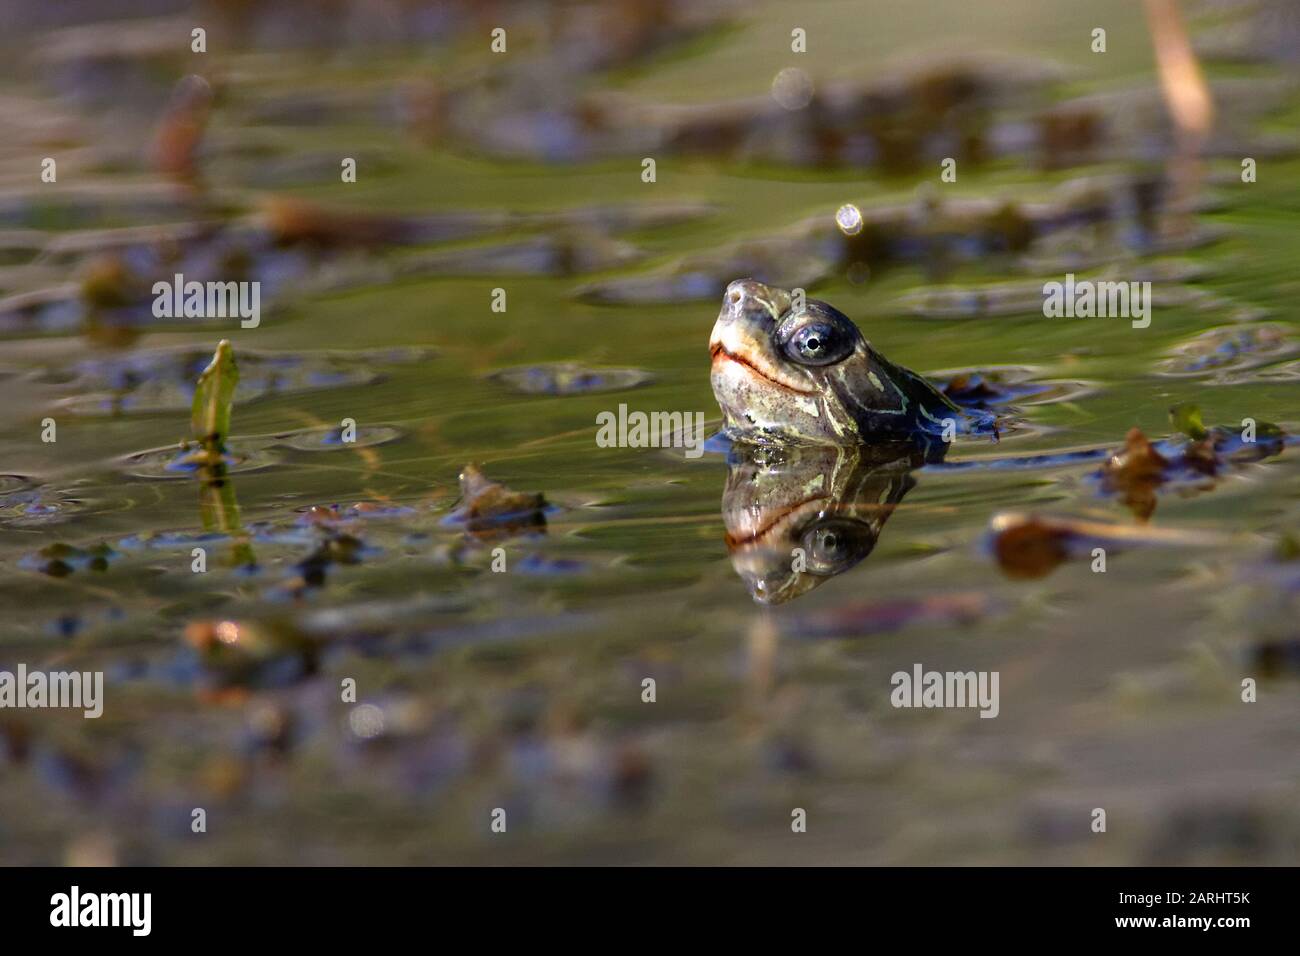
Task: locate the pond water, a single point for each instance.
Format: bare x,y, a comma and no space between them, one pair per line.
331,561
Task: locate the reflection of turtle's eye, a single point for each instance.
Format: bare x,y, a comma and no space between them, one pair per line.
815,342
826,546
835,544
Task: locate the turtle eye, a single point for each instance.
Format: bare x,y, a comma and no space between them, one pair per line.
816,342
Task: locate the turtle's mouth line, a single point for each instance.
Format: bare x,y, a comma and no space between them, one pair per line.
740,541
719,351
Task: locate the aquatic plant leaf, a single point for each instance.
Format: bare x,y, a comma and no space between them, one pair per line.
1187,419
213,396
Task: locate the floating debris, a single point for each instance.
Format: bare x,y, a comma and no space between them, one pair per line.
37,506
970,302
565,253
569,378
338,437
1276,658
1226,352
996,387
336,547
361,510
1032,546
489,507
294,222
60,560
786,261
239,655
1137,470
932,232
921,112
179,135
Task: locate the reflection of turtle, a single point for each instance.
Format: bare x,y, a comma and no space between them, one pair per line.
798,516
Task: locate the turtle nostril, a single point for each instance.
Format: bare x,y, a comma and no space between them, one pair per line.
734,296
